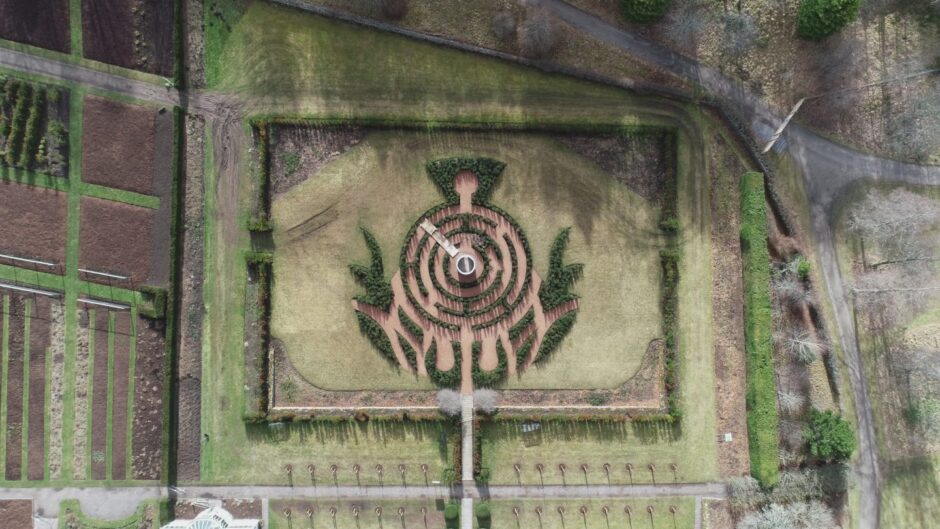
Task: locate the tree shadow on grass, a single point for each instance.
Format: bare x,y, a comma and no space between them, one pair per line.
348,432
916,478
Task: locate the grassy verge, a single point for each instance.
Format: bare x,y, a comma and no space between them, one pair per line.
75,28
412,517
119,195
761,400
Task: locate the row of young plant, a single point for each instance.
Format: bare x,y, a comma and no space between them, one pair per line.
29,137
257,336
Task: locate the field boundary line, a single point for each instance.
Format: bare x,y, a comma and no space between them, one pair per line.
131,387
109,408
24,421
76,35
3,388
114,194
47,407
89,413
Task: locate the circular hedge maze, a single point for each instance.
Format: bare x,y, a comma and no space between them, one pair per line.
466,286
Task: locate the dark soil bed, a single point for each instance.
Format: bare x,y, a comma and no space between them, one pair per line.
43,23
299,152
32,222
116,238
188,449
14,433
39,341
148,400
122,342
635,161
134,34
17,513
119,144
99,398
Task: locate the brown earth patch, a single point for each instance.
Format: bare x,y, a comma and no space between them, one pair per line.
240,508
116,238
32,222
118,143
17,513
727,309
82,378
122,341
718,515
99,397
189,364
16,344
300,152
39,341
43,23
134,34
149,376
57,391
638,162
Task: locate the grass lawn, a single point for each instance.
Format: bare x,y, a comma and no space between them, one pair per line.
502,516
291,63
345,519
382,185
692,443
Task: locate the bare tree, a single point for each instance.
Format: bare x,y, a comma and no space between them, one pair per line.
686,22
741,33
915,130
802,346
449,402
897,222
504,26
538,35
799,515
745,493
485,400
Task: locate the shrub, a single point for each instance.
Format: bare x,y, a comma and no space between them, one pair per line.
482,511
487,170
830,436
393,9
485,379
504,26
410,325
485,400
644,11
597,399
376,335
33,133
452,515
802,268
449,402
817,19
762,420
669,261
24,93
800,515
538,35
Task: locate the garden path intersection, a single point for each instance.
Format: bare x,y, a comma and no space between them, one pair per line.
828,170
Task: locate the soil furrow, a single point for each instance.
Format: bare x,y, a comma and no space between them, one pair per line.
99,402
39,339
122,340
14,433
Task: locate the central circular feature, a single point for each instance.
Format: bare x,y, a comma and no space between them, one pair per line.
466,265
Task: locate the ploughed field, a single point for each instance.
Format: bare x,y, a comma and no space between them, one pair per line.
43,23
135,34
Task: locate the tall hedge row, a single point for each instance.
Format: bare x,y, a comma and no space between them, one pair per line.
644,11
762,421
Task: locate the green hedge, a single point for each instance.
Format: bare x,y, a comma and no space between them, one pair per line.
762,421
669,261
830,436
555,289
257,338
489,379
372,278
555,335
377,337
24,94
410,355
817,19
644,11
449,378
487,170
416,332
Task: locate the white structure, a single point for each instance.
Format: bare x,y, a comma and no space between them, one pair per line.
214,518
438,237
466,265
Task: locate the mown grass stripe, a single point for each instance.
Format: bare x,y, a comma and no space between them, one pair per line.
119,195
75,29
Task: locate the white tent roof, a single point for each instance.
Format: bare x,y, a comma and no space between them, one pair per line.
214,518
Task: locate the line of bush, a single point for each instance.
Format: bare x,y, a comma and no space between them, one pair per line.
260,214
762,420
522,353
24,94
555,335
555,290
449,378
378,289
35,126
410,355
489,379
818,19
257,336
516,330
416,332
377,337
644,11
669,261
